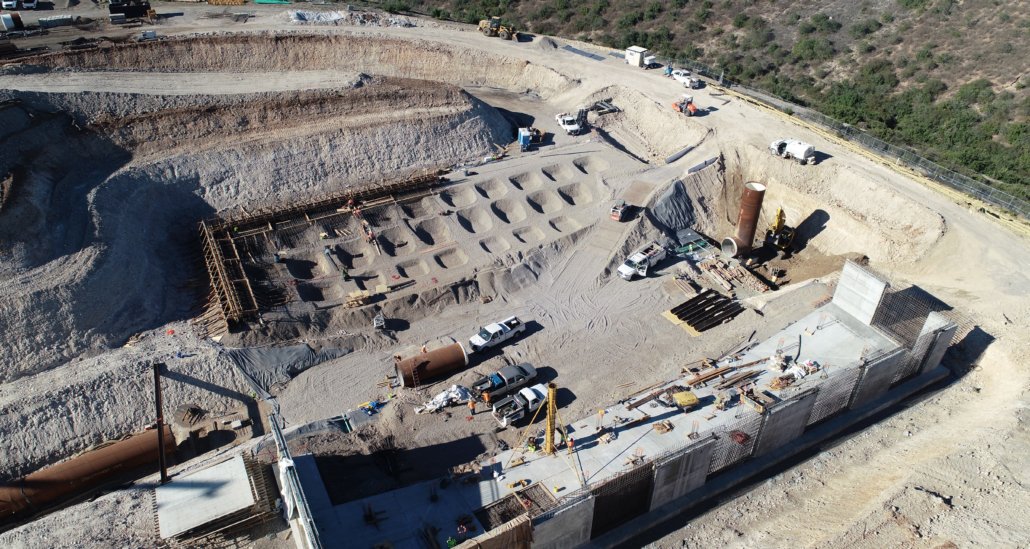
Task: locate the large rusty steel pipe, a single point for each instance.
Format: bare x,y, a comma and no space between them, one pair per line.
416,370
80,474
747,222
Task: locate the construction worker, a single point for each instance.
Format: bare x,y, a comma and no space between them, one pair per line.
571,443
486,399
425,349
472,406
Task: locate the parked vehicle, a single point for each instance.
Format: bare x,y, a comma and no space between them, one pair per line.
792,148
494,334
641,260
504,381
520,404
29,4
9,4
619,211
685,105
683,76
569,122
640,57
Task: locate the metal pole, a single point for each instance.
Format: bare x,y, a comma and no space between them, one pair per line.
160,423
552,412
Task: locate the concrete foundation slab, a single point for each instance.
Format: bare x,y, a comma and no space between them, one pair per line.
199,498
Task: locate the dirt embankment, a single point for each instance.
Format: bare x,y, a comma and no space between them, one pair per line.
645,124
293,52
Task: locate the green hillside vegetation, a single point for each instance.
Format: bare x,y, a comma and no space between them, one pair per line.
948,79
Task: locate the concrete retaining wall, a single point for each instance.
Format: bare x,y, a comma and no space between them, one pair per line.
877,377
569,526
859,292
834,394
676,475
785,421
728,451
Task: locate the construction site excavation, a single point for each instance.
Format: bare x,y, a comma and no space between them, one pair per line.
342,278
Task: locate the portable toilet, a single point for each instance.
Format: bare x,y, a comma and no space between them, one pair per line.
525,138
636,55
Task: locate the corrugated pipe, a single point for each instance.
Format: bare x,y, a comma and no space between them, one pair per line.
416,370
747,222
78,475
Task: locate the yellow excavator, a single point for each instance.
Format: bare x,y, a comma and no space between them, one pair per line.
780,236
493,27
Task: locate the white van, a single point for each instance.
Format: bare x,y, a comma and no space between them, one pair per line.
9,4
28,4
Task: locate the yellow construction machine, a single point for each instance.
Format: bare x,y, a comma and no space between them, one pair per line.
780,236
493,27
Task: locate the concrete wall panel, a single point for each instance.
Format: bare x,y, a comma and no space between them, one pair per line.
859,292
728,451
877,377
568,527
834,394
679,474
785,421
940,346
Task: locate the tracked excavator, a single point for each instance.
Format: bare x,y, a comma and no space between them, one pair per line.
780,236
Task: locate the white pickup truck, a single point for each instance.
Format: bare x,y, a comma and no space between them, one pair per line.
494,334
641,260
569,123
520,405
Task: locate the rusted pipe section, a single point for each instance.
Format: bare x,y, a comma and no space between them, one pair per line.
747,222
416,370
37,491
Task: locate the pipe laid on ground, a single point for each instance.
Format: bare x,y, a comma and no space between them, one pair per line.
747,222
80,474
416,370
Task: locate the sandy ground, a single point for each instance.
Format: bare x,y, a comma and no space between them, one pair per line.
949,469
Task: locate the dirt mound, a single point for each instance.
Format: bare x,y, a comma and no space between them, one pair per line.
546,43
657,127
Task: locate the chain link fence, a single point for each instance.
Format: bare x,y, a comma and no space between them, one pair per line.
929,169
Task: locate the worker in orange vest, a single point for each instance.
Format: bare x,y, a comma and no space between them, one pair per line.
472,406
486,399
571,443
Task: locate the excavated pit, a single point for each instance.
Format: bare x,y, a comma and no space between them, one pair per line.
99,233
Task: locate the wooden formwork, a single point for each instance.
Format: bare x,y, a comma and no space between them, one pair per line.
233,298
